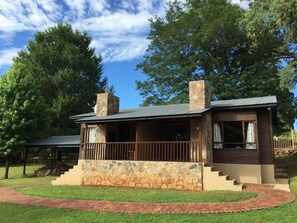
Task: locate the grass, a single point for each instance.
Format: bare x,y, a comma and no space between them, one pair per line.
134,195
16,176
11,213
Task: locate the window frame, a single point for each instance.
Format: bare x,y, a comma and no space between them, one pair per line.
223,143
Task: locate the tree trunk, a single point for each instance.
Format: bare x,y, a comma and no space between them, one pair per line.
6,168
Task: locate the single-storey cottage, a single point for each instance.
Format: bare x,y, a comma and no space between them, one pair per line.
202,145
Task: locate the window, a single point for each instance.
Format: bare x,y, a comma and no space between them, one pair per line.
234,135
92,135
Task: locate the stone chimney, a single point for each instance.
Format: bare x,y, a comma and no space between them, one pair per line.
200,95
107,104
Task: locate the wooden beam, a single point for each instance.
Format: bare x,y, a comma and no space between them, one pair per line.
136,141
25,160
52,161
200,141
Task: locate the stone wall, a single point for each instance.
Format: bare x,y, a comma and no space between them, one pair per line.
143,174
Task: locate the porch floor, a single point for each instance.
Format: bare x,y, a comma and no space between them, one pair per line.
267,198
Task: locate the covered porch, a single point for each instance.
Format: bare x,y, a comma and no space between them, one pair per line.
158,140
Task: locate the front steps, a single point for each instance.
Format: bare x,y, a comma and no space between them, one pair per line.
215,180
72,177
281,174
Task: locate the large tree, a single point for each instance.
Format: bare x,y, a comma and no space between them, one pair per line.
23,113
271,25
68,70
204,39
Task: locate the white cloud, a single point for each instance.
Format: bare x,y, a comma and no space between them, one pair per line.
118,28
7,55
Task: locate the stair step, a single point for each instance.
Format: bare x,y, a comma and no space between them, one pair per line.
281,175
282,166
281,181
281,170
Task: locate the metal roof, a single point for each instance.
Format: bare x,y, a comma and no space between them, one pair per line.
57,141
246,102
155,112
174,111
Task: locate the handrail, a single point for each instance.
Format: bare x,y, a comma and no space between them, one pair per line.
172,151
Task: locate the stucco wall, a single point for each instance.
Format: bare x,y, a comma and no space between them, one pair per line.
142,174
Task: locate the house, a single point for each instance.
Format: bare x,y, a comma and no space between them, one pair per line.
203,145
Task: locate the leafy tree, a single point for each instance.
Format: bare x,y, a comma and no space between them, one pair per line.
271,27
204,39
68,70
23,113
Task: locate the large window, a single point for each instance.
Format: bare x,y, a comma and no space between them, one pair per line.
234,135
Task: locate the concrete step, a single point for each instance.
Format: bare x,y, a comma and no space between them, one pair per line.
281,175
282,166
281,181
216,180
281,170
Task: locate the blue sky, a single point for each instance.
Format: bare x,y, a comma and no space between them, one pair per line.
118,29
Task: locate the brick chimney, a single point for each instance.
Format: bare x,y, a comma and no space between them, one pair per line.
107,104
200,95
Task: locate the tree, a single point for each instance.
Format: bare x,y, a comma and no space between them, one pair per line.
68,70
271,27
204,39
23,114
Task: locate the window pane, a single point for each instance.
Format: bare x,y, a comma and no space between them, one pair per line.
233,137
92,135
249,135
217,136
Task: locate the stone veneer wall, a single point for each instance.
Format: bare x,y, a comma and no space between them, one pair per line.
107,104
143,174
199,94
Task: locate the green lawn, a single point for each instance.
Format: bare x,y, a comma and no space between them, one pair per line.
16,176
134,195
10,213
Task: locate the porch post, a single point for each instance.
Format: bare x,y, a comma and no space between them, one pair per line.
86,141
200,142
136,142
52,160
25,160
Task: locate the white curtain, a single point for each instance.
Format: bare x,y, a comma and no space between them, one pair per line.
217,136
92,135
250,136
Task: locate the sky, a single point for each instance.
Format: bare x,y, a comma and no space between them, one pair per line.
118,28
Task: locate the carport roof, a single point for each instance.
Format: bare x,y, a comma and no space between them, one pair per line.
57,141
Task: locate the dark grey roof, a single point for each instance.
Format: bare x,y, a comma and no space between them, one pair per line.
166,111
174,111
245,102
57,141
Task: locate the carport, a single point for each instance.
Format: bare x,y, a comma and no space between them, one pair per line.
55,143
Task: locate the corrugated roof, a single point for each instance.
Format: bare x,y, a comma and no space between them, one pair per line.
177,110
57,141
